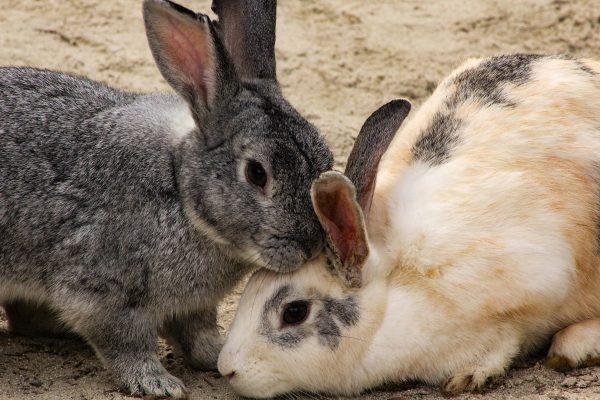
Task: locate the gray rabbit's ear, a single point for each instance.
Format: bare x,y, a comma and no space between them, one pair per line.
373,140
189,55
247,28
334,202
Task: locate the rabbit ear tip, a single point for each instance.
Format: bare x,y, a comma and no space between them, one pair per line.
400,105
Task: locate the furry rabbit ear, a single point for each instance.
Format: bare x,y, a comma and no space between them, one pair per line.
333,198
373,140
247,28
190,55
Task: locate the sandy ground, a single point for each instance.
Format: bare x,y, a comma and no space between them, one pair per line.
337,61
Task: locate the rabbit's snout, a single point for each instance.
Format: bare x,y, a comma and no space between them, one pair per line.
225,365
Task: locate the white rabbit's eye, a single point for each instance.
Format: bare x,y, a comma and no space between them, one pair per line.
256,174
295,312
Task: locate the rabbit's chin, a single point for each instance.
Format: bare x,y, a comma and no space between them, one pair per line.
282,259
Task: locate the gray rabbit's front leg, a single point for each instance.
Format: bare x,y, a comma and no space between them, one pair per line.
128,344
196,336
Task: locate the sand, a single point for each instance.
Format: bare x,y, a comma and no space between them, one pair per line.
338,60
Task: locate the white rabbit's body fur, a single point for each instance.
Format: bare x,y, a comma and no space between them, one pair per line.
475,259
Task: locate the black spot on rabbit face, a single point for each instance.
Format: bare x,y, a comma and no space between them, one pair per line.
267,219
326,319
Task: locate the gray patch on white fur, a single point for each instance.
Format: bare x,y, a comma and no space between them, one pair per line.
287,338
483,82
346,311
335,315
327,330
435,144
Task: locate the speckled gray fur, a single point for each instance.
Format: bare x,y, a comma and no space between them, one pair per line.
92,216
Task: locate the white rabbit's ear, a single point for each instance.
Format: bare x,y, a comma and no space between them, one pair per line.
373,140
190,55
334,202
247,28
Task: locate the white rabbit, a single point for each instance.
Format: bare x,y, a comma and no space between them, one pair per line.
483,242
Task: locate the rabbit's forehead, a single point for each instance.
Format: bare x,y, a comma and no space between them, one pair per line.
281,127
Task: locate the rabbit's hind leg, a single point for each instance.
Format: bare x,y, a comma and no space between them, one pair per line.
27,318
575,346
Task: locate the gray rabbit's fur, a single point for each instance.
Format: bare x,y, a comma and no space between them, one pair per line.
125,218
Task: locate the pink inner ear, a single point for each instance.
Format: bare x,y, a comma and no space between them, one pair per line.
339,220
188,51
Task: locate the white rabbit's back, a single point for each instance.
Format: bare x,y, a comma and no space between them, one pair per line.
494,183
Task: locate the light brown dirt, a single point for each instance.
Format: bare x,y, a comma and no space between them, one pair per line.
337,61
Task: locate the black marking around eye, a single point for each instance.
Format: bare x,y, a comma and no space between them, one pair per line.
273,303
290,338
336,313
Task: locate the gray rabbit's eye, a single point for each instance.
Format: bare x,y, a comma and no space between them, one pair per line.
256,174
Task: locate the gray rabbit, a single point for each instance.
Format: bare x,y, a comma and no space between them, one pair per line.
128,215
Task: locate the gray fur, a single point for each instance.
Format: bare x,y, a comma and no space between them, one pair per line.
35,319
245,26
374,137
484,82
346,310
332,315
328,332
93,197
435,144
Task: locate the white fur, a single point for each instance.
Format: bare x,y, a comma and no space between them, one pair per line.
473,261
181,123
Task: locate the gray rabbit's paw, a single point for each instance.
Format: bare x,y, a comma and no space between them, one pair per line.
157,384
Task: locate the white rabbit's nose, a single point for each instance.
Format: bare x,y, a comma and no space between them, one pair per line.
225,364
230,375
